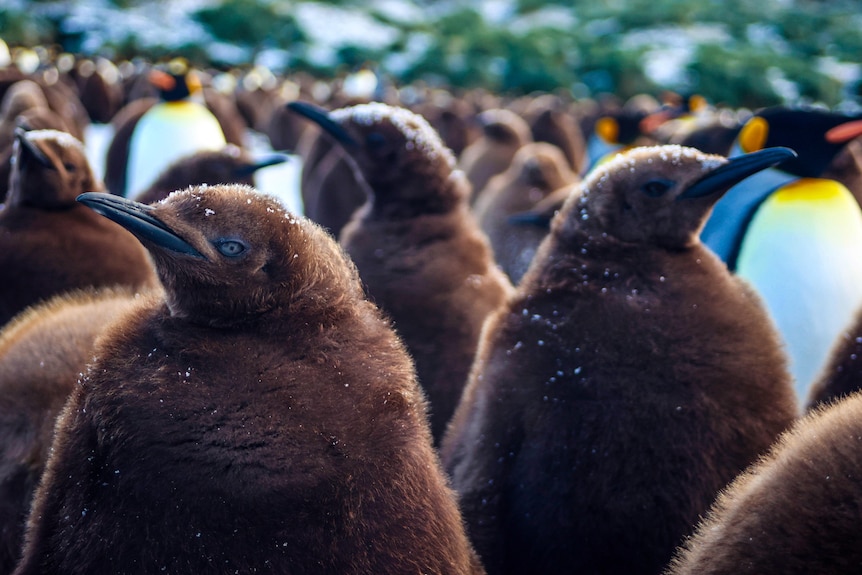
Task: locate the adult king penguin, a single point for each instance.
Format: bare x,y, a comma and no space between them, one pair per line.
261,416
629,379
796,237
419,250
177,126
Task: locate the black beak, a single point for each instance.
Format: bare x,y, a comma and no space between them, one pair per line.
135,217
272,160
534,219
30,150
735,170
320,116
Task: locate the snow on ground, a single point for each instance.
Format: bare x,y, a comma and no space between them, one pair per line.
281,180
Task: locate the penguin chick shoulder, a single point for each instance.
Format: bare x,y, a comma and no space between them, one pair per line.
626,382
795,512
263,415
43,351
419,250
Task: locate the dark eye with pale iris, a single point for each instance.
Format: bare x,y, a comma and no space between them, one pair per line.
230,248
656,188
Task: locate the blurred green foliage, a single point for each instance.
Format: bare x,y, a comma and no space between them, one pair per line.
759,53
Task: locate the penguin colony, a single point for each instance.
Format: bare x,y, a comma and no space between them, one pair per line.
633,444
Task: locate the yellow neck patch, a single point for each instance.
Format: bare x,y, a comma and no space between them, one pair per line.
810,190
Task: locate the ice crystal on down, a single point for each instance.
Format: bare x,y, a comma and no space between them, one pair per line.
63,138
416,130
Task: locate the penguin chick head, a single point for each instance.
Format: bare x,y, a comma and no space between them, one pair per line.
395,151
504,127
50,169
542,165
230,256
657,195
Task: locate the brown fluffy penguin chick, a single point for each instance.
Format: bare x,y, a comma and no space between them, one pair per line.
503,134
796,512
230,165
43,350
551,122
419,250
330,192
629,379
48,242
842,375
263,416
537,170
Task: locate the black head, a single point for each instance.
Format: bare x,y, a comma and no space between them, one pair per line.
816,135
175,80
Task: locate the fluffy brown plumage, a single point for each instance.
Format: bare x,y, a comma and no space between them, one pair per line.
48,242
230,165
537,170
43,350
262,416
418,248
842,374
629,379
503,134
330,192
551,122
794,513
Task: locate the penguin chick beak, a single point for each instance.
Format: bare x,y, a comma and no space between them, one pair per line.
31,150
135,217
271,160
735,170
320,116
535,219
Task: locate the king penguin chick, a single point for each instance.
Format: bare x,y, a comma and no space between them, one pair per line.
48,242
795,236
537,170
419,250
793,513
262,415
177,126
43,350
626,382
503,134
230,165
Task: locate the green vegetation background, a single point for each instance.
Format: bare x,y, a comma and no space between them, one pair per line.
766,44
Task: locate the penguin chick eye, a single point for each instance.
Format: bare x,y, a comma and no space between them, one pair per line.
230,248
375,140
71,168
656,188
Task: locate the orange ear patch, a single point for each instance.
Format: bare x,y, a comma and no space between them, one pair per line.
753,135
608,130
